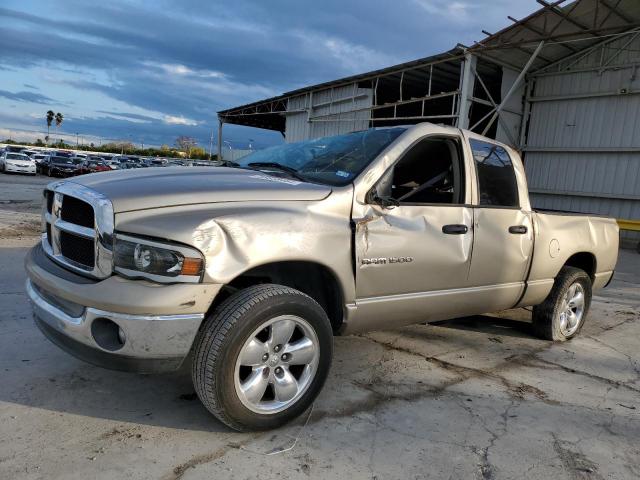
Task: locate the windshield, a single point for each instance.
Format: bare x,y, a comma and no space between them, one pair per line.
62,160
16,156
331,160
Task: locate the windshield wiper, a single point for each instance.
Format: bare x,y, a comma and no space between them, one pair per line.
290,170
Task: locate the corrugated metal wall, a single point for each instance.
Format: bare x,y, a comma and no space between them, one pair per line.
583,144
339,101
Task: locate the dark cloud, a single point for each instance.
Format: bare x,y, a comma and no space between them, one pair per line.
132,116
188,59
27,85
27,97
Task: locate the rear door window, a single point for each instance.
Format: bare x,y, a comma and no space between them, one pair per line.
496,175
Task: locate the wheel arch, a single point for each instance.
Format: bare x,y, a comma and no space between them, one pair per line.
584,261
312,278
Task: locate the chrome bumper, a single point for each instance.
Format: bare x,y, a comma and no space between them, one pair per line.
141,343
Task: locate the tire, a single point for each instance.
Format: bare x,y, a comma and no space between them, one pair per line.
237,326
551,320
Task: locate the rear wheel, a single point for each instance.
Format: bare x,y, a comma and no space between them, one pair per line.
562,314
262,357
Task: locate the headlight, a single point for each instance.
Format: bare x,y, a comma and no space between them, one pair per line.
158,261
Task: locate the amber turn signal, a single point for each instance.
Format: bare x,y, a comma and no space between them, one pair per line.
191,266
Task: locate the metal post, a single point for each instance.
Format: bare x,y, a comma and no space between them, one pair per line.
467,83
220,123
525,116
210,144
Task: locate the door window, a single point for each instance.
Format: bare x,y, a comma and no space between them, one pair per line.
429,173
496,175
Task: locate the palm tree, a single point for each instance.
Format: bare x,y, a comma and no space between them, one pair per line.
50,117
59,119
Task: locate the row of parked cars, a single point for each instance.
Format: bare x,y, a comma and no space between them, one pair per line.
64,163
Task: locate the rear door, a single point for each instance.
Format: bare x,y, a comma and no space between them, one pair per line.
503,230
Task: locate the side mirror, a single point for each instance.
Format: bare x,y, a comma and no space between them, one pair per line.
380,194
387,203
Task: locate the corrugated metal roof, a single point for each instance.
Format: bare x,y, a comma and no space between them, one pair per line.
565,27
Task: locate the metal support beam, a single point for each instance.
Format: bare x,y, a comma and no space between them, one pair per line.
467,84
614,10
620,50
582,96
528,92
495,107
567,17
523,49
514,87
220,123
389,105
577,57
539,32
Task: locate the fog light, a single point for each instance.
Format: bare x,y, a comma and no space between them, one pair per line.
107,334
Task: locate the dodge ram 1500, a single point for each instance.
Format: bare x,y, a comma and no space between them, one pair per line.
249,269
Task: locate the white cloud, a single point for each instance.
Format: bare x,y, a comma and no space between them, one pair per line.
351,56
178,69
455,11
179,120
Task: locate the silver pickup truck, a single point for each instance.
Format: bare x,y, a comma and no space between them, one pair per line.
249,269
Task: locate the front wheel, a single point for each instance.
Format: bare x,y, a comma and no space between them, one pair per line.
262,357
562,314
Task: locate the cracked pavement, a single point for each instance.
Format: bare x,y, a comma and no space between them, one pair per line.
476,397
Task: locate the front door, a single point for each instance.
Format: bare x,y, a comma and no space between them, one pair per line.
413,243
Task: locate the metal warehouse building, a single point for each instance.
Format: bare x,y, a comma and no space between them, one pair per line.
561,85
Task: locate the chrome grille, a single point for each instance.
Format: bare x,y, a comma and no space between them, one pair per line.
77,212
79,229
77,249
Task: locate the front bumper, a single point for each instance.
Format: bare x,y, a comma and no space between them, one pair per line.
132,335
13,168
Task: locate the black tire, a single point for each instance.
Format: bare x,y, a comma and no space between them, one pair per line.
220,340
546,318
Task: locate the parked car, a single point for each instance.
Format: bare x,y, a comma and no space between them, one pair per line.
14,148
17,163
38,157
112,164
157,162
57,166
92,166
63,153
253,268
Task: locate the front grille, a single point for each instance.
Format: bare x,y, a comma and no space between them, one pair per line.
77,249
76,236
49,195
78,212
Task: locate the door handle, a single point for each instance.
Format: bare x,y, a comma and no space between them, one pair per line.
455,229
518,229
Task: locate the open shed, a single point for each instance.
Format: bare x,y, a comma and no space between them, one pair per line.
560,85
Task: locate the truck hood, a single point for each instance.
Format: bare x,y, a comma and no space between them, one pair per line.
141,189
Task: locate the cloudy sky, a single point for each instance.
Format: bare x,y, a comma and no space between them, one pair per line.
150,70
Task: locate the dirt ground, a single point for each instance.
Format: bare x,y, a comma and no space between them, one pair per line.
475,397
20,205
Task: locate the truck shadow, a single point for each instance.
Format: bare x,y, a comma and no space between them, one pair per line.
489,324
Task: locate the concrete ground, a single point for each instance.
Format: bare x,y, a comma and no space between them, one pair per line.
475,397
